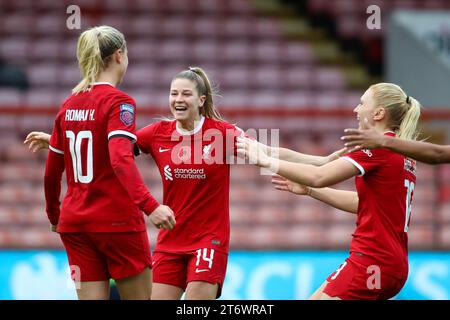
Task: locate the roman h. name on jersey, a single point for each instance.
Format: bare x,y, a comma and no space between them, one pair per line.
80,115
410,166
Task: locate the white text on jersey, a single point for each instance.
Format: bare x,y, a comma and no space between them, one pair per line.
80,115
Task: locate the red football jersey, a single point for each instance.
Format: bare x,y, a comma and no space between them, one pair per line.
196,178
385,190
95,201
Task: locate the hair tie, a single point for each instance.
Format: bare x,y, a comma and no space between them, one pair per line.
408,100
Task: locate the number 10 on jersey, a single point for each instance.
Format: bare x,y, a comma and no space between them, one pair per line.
75,141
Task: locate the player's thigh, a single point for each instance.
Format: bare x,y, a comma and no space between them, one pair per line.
137,287
318,293
201,290
169,275
325,296
162,291
93,290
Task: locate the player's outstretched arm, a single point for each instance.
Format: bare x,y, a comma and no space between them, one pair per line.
356,139
298,157
339,199
309,175
37,141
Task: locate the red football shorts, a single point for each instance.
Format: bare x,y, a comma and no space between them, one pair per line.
356,280
102,256
178,269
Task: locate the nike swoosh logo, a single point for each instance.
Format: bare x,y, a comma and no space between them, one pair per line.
201,270
163,150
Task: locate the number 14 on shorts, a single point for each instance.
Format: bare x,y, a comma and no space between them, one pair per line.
204,261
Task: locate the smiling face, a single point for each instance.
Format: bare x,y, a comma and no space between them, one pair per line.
367,109
184,100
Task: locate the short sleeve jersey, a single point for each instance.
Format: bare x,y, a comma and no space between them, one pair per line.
196,178
385,190
95,200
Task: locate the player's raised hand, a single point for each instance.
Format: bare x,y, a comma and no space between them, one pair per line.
281,183
37,141
357,139
163,217
253,151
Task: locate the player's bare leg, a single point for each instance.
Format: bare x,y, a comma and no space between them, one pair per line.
93,290
324,296
138,287
320,295
201,290
316,295
163,291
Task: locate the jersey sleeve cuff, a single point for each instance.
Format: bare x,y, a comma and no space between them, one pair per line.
356,164
55,150
150,205
122,133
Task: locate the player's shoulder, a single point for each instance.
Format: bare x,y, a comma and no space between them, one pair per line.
116,95
219,124
160,127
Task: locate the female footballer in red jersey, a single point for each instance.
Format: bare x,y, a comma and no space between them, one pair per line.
100,220
377,267
191,153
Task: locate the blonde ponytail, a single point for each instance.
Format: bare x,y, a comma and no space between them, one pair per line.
408,126
94,49
403,111
203,85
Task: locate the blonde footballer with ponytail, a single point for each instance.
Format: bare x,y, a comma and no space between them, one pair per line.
402,110
94,53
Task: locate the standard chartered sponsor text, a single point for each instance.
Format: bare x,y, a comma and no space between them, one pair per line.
189,173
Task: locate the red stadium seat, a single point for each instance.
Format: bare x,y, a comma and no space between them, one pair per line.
302,212
444,213
15,50
421,236
10,97
141,76
422,212
43,75
204,50
141,50
298,52
444,237
338,236
17,23
270,78
330,78
298,77
43,98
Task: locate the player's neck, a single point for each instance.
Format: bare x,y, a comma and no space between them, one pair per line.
382,128
189,125
106,76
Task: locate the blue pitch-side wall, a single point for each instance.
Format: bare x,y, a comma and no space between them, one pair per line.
251,275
